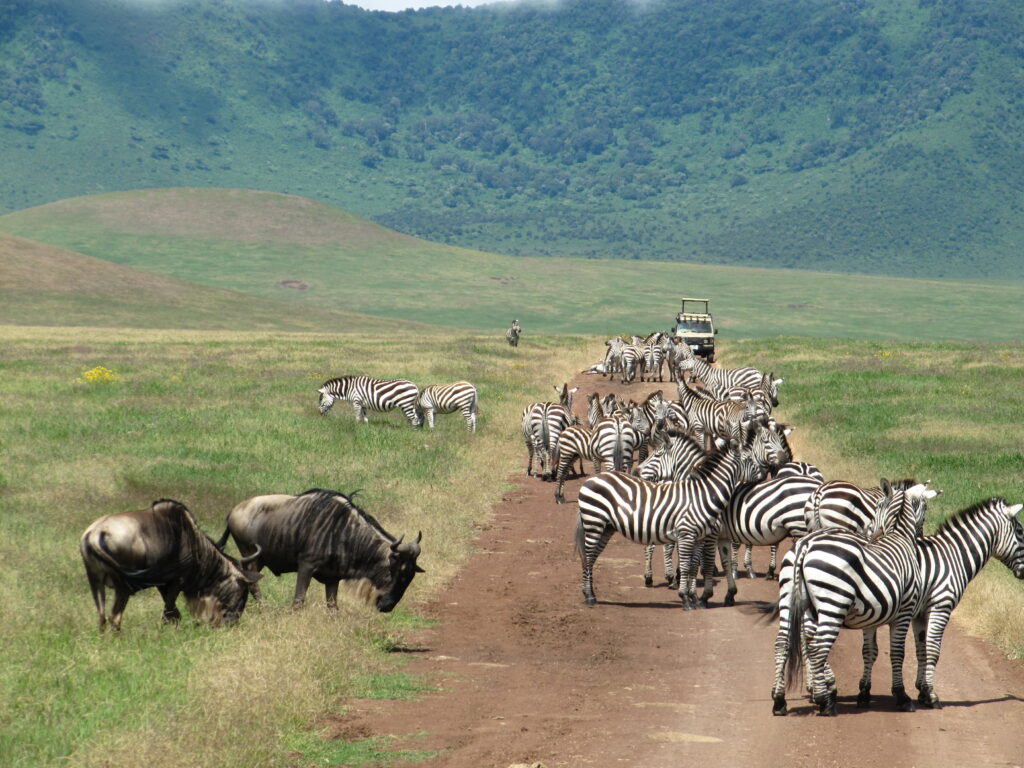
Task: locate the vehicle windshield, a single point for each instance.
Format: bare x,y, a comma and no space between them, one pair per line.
694,326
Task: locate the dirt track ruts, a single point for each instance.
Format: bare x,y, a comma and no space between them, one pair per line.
524,672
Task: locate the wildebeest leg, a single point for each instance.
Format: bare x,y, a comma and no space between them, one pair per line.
331,595
99,597
170,595
302,579
117,611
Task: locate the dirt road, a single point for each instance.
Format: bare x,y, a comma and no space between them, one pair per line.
525,673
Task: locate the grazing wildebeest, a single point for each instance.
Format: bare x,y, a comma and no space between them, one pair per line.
162,547
322,535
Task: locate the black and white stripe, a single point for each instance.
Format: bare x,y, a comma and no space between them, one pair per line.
448,398
513,333
842,579
948,560
367,393
686,512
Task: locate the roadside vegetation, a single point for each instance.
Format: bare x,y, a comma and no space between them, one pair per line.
93,422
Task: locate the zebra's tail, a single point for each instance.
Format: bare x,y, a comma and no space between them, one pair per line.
618,455
798,605
812,509
581,539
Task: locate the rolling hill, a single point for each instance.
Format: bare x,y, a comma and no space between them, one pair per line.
46,285
259,244
877,137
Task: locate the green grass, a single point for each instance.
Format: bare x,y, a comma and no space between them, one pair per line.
251,241
210,419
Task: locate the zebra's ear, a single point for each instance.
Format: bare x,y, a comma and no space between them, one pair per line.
884,485
1013,510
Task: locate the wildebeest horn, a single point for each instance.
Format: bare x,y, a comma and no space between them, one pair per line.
398,541
419,537
253,556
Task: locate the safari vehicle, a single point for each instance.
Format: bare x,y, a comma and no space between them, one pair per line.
696,327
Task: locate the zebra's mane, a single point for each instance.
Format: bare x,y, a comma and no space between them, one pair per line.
321,496
957,518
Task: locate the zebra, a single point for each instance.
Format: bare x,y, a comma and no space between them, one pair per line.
512,334
367,393
686,512
841,504
948,560
599,408
541,426
610,445
681,455
448,398
842,579
725,378
633,360
710,419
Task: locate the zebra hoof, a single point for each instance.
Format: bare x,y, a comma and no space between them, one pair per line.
703,602
730,599
903,702
929,700
751,574
771,576
864,699
648,581
591,601
779,707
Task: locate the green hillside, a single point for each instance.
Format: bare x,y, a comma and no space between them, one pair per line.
260,243
877,136
46,285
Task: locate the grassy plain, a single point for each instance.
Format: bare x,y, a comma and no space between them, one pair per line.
253,241
211,418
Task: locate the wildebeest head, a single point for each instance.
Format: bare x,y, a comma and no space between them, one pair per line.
403,568
223,601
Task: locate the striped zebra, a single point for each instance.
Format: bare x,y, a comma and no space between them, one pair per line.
633,361
367,393
686,512
512,334
841,504
448,398
609,445
842,579
600,407
948,560
711,419
725,378
542,424
681,456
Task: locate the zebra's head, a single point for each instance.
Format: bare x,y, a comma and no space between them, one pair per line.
326,401
1011,550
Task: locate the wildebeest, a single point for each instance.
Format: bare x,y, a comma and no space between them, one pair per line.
162,547
322,535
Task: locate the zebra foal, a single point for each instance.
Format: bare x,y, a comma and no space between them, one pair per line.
512,334
367,393
448,398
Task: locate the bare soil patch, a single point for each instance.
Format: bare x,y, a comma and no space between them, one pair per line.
524,673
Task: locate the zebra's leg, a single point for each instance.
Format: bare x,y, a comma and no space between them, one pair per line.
820,636
360,412
869,652
670,571
428,416
897,647
686,546
748,561
648,569
563,468
529,460
412,416
727,552
594,548
773,558
469,414
779,707
928,641
708,570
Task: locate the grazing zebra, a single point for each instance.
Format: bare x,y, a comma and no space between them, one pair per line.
366,393
512,334
686,512
842,579
949,559
542,424
448,398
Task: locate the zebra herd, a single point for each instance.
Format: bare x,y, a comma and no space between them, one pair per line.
369,394
715,470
